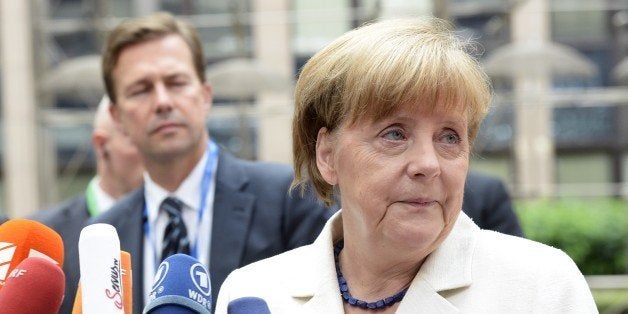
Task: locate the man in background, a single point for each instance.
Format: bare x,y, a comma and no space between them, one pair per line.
197,199
118,171
488,203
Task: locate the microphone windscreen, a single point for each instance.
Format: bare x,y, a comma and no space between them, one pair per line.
127,281
99,262
36,285
248,305
22,238
181,285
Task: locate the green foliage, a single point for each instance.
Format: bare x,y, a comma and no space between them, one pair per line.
593,232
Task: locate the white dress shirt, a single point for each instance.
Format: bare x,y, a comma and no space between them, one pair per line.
189,192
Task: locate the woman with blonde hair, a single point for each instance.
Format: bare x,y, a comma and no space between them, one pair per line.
384,121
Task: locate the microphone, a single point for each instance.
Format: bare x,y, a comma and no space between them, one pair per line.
248,305
99,264
36,285
127,287
181,285
22,238
127,281
77,307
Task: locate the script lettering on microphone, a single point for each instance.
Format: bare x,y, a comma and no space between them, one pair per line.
114,293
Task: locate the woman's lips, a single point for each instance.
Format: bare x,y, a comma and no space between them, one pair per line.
419,202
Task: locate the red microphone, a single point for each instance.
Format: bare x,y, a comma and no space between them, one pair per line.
22,238
36,285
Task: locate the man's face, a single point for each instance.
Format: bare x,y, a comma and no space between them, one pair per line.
161,102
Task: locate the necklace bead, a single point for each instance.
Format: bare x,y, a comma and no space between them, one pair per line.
349,299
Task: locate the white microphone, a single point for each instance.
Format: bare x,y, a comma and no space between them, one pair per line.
101,276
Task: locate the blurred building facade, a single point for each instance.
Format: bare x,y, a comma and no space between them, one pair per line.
581,148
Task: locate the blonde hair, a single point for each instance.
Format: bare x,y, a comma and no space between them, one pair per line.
138,30
374,70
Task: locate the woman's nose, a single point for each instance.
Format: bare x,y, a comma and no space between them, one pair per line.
423,160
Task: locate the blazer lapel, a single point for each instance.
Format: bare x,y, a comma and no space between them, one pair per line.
447,268
319,285
132,241
231,218
127,217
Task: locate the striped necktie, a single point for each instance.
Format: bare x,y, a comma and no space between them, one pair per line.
176,234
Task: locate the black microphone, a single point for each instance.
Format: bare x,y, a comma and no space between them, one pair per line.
248,305
181,285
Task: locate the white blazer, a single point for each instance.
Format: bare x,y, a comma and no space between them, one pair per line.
473,271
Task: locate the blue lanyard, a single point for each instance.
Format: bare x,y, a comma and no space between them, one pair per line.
210,164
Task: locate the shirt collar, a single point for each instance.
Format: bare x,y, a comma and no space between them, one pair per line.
188,192
104,201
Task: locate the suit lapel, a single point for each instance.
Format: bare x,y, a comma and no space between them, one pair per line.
231,218
130,228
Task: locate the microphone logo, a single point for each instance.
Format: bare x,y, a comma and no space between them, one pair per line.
35,253
164,267
6,255
200,277
17,273
114,293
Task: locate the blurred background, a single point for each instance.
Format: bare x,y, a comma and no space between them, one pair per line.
557,132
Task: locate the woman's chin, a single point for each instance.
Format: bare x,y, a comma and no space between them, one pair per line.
417,238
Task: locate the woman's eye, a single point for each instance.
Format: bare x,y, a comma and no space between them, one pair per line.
394,135
451,138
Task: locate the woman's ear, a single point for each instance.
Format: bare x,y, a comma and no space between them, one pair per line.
325,156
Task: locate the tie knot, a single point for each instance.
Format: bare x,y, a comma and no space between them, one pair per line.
172,206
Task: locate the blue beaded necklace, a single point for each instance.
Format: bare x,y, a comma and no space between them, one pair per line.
346,296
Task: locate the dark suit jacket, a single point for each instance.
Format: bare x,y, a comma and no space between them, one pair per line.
3,219
488,203
254,217
67,219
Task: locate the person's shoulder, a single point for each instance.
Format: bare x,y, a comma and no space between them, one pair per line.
516,254
123,208
276,270
69,209
275,280
259,174
477,179
519,268
280,263
256,167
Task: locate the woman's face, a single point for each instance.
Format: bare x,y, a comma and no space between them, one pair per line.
401,179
